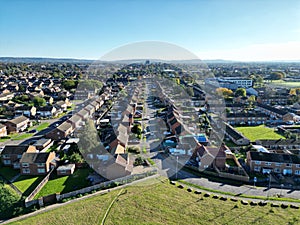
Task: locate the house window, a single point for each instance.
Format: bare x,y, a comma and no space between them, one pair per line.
25,164
19,156
41,170
297,165
257,162
288,165
297,172
26,170
41,164
277,170
268,163
278,164
63,171
6,156
7,162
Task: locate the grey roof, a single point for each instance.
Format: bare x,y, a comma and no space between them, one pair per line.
64,126
41,141
275,157
65,167
35,157
18,120
15,149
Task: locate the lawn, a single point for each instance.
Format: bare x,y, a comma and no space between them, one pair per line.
16,137
66,184
26,184
8,173
158,202
281,83
40,127
259,133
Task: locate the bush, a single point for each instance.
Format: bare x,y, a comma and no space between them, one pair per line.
134,149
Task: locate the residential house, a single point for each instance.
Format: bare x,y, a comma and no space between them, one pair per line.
271,111
46,111
12,154
61,132
83,114
3,131
43,144
4,97
286,164
235,136
37,163
28,111
246,118
116,166
17,124
76,121
280,144
61,105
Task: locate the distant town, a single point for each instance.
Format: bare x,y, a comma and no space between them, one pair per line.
65,132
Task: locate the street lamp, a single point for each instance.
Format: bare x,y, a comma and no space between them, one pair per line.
269,180
254,181
176,167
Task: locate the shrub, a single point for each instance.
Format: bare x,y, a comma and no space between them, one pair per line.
134,149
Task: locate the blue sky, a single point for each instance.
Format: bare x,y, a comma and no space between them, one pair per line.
239,30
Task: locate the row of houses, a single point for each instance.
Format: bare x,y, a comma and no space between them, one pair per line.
28,159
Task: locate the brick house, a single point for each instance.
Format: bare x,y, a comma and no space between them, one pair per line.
36,163
3,130
61,132
246,118
17,124
286,164
12,154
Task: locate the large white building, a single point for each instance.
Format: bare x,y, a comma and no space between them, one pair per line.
230,82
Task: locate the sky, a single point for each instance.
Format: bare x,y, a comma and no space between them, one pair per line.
256,30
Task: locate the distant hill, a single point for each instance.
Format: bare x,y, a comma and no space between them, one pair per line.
42,60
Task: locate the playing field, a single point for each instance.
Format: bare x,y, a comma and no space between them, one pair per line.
259,133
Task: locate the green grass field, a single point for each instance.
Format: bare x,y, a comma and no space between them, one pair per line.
162,203
281,83
259,133
26,184
40,127
66,183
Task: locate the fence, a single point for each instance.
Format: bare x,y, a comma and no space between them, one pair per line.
28,200
104,185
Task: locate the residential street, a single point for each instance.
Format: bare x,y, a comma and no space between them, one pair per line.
168,166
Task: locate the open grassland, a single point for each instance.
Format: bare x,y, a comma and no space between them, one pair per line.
162,203
259,133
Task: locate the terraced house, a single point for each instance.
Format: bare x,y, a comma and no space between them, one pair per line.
17,124
286,164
